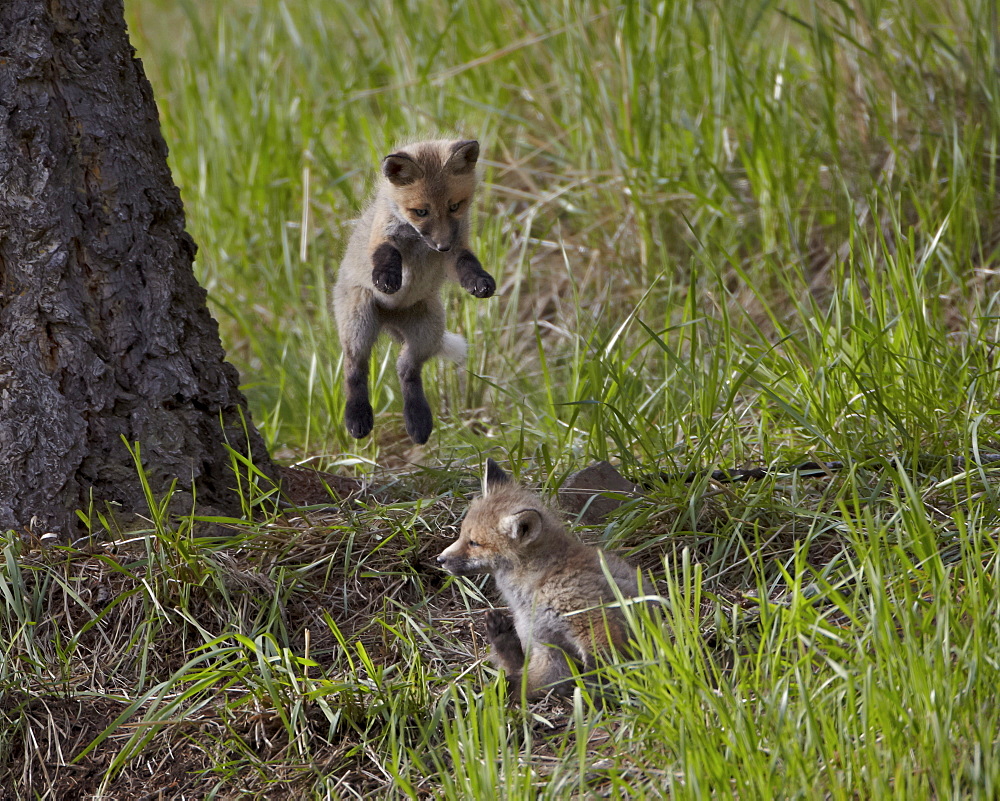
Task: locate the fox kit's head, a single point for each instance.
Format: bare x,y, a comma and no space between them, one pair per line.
501,528
431,186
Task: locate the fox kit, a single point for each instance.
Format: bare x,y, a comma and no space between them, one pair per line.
554,584
413,235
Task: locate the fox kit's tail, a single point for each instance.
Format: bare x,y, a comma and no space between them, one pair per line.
454,348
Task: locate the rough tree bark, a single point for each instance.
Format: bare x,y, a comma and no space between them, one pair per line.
104,330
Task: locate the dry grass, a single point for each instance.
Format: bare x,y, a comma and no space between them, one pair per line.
367,566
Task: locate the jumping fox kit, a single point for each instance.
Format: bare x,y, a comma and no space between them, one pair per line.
554,585
414,234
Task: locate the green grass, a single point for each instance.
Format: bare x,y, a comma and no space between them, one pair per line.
724,234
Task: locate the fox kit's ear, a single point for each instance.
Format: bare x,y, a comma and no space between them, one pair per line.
522,526
464,155
493,477
400,169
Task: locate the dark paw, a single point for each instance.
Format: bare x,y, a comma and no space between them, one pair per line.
419,420
506,650
481,284
359,417
387,268
388,278
499,625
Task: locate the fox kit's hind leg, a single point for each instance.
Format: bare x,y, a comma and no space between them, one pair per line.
358,325
421,327
548,670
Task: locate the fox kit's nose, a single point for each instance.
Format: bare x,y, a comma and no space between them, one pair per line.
442,248
441,558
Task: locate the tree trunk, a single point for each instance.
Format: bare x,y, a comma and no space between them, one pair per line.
104,331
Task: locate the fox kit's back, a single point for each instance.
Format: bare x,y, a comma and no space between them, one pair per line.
413,235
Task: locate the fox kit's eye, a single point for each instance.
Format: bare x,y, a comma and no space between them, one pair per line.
420,212
473,544
454,206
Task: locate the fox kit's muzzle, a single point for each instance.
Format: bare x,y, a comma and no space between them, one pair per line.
440,234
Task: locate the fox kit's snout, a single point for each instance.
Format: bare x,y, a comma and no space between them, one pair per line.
413,235
556,587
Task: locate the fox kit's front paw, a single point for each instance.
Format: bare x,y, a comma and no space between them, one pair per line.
387,269
473,278
499,625
502,636
481,286
359,417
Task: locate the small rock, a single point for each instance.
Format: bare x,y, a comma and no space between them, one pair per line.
585,492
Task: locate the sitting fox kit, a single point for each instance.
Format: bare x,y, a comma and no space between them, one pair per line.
414,234
554,585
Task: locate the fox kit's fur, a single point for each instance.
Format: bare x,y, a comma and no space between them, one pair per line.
555,586
414,234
